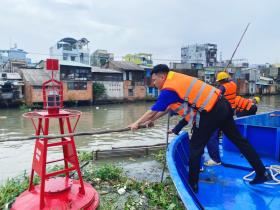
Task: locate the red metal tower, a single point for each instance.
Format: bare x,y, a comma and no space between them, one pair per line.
55,192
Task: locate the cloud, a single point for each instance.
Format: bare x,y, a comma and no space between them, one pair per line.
160,27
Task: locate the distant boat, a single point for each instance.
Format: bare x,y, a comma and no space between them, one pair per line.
223,187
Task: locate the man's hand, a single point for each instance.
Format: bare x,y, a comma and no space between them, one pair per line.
149,124
134,126
170,132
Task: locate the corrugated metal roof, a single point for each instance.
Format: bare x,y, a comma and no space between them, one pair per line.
38,76
126,65
73,63
262,83
102,70
265,78
12,76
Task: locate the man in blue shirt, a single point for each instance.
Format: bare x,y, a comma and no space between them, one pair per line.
220,116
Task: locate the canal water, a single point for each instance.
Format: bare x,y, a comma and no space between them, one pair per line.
16,157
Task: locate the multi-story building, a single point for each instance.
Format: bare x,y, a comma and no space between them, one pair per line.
145,61
112,81
70,49
100,58
77,81
141,59
133,79
266,85
205,54
11,85
246,79
13,59
76,78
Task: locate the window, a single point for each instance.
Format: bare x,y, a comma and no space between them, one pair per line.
75,73
247,76
77,85
107,77
126,75
130,92
37,87
138,76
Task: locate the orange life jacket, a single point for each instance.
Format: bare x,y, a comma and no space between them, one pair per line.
230,92
242,104
197,95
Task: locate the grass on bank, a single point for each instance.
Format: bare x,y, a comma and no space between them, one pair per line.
108,179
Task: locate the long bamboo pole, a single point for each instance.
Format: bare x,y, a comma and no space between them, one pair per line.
229,62
70,134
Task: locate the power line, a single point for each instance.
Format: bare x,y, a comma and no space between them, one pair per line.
118,56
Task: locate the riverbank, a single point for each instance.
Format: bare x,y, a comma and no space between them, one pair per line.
71,104
132,183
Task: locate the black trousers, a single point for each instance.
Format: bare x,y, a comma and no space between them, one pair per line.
221,116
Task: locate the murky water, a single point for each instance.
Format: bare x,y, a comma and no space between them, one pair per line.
15,157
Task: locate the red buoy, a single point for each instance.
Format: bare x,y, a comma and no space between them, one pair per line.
67,198
55,192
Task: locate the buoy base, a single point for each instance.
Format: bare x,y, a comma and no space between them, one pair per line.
69,198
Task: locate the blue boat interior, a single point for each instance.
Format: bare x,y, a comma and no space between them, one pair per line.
223,187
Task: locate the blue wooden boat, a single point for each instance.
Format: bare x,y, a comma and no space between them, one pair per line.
223,187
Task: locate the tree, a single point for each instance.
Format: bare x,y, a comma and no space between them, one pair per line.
98,90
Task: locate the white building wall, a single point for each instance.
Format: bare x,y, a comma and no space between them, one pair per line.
114,89
66,55
194,54
198,53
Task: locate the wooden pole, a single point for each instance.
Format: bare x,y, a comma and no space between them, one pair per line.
71,134
166,146
236,47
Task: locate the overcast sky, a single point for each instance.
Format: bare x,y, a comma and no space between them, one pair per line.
160,27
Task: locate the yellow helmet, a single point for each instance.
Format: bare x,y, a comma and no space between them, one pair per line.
258,99
222,75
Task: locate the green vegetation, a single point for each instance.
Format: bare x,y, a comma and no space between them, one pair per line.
160,156
14,187
109,172
85,156
23,107
116,190
98,90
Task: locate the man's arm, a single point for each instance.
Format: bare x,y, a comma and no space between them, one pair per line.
160,114
182,123
148,116
150,123
159,109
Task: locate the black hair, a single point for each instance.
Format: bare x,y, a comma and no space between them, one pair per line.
160,68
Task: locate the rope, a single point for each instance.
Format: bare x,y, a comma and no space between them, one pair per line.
274,172
69,134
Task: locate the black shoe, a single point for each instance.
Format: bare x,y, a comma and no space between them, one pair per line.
261,179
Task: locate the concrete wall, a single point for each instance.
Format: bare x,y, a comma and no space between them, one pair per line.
139,91
114,89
